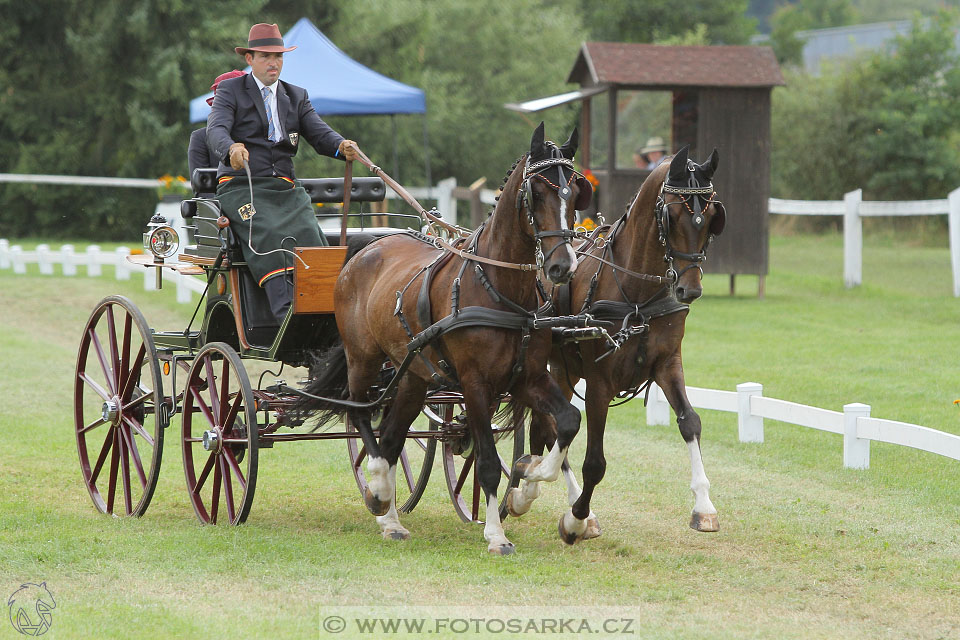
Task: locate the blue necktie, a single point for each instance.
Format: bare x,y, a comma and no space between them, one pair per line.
271,130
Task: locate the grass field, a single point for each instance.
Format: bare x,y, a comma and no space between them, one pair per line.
806,549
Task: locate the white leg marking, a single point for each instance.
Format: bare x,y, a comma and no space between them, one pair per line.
389,523
378,478
698,481
522,498
493,529
548,469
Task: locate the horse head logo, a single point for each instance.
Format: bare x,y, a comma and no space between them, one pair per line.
30,608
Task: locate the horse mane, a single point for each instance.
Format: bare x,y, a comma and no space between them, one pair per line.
647,192
506,179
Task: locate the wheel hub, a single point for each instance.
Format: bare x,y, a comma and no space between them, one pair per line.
212,440
110,411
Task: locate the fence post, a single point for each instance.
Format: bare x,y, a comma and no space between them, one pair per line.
749,426
121,264
93,260
852,239
44,260
658,409
953,224
856,451
183,291
17,260
4,253
69,260
150,279
446,203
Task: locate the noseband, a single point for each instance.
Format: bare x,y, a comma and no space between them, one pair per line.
533,170
695,199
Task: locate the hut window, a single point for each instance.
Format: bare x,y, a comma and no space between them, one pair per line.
642,118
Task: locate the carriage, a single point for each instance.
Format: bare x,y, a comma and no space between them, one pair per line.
131,380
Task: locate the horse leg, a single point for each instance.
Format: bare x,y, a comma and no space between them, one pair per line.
542,394
580,523
361,373
401,414
704,517
542,435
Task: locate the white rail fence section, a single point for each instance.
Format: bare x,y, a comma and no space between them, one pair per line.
854,209
855,424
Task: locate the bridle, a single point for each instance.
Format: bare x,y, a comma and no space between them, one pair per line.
533,170
695,198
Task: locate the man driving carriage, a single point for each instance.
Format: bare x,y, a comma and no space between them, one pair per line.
258,119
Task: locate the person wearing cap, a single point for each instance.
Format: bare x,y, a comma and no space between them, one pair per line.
651,154
258,120
198,153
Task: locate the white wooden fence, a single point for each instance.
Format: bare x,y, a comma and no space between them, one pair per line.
92,260
854,209
854,423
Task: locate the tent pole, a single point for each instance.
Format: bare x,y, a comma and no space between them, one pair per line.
396,154
426,152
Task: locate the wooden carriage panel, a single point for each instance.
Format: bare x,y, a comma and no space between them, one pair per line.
737,123
313,287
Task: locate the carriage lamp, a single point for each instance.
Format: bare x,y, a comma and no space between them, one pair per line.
162,240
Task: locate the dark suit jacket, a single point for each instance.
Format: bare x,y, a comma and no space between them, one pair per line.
198,153
238,115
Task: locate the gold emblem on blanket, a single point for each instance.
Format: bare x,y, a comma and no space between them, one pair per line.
294,138
246,211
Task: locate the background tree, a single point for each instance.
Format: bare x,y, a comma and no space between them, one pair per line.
726,21
803,15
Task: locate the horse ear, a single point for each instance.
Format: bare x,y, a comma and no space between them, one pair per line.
536,142
678,166
710,166
569,148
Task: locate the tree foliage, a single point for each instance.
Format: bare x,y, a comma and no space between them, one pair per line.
806,14
726,21
888,123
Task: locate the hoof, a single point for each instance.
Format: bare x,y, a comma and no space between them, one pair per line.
593,529
396,535
502,550
707,522
511,509
526,464
376,506
568,537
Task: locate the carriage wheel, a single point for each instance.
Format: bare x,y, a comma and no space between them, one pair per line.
118,408
219,436
460,469
416,463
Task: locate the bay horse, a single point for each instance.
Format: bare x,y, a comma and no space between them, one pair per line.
645,272
493,350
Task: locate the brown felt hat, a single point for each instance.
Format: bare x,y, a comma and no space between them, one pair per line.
266,38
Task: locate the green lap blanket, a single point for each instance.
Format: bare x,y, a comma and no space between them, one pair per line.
283,217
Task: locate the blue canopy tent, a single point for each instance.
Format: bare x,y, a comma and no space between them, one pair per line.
337,84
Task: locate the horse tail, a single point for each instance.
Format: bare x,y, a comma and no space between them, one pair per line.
328,379
512,416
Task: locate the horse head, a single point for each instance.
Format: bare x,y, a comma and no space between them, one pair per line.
688,217
551,192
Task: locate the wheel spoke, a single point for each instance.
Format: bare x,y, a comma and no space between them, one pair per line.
125,369
107,371
227,488
407,473
204,409
136,426
212,386
137,401
114,353
475,509
131,376
225,394
93,425
235,467
125,472
107,444
114,460
215,500
131,447
211,459
100,391
360,456
467,465
230,416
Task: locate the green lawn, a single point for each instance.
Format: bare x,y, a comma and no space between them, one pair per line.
806,549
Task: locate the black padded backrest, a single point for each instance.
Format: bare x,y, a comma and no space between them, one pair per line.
204,181
326,190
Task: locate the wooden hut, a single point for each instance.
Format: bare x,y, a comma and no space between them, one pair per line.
702,96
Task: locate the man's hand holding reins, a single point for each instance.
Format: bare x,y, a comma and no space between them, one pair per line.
348,149
238,154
